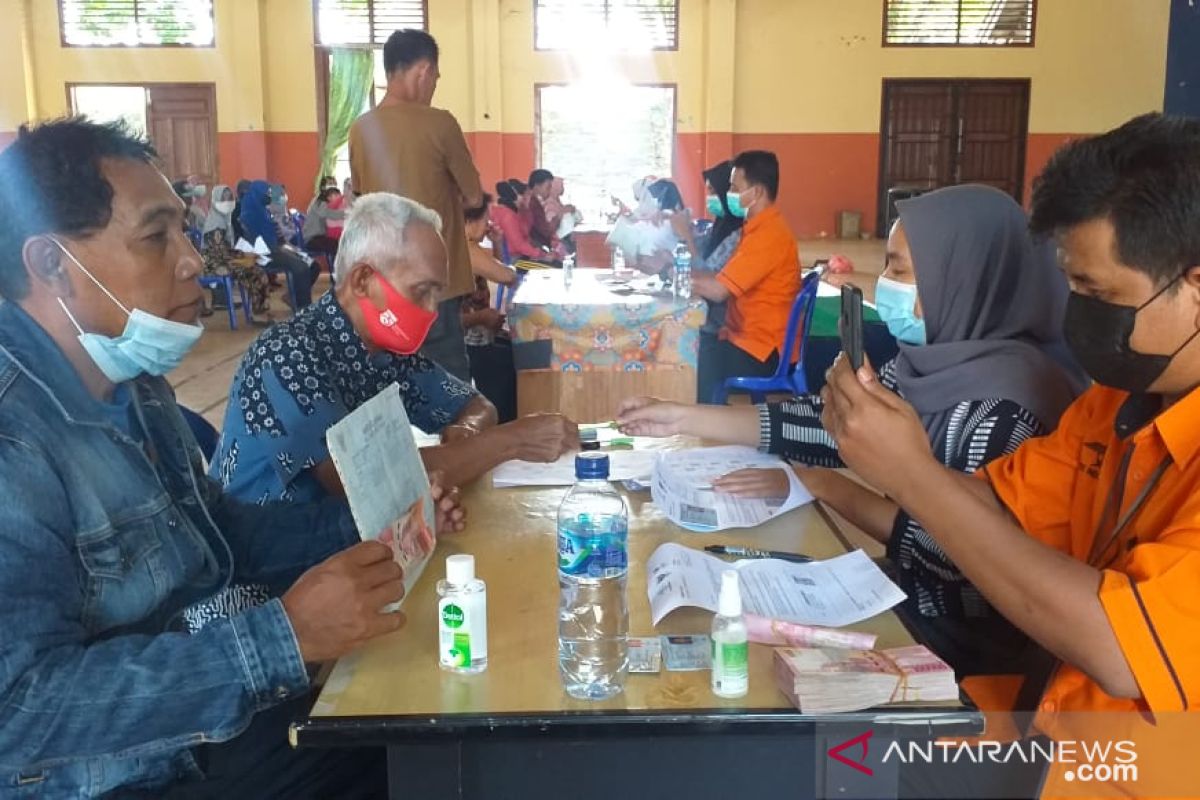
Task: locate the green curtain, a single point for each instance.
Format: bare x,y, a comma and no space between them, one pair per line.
351,78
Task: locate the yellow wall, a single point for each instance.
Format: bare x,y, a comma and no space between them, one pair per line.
817,65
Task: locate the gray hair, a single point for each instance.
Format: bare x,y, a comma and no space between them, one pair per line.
375,227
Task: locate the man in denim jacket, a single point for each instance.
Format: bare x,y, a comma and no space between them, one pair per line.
109,527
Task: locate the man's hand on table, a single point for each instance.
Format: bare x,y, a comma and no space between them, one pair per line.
542,437
878,435
336,606
649,416
449,514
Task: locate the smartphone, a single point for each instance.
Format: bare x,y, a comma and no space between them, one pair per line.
850,325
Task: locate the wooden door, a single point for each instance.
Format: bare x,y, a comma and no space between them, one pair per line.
181,120
937,133
993,117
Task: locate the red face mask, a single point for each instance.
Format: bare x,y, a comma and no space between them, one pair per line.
401,327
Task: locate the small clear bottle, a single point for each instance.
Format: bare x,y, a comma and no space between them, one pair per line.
730,647
462,617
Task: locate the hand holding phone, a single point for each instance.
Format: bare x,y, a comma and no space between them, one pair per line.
850,325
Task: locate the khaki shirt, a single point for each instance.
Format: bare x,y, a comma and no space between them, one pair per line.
420,153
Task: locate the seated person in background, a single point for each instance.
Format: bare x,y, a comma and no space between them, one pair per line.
328,182
564,217
257,222
524,212
759,282
194,215
978,309
109,527
321,212
489,351
543,233
221,259
239,232
281,213
303,375
647,237
712,251
1087,539
506,220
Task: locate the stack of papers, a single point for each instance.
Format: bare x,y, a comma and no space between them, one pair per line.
682,489
829,681
259,249
838,591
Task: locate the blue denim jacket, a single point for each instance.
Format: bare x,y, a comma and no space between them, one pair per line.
103,542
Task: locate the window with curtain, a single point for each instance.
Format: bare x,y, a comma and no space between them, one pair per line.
625,24
957,23
601,137
366,23
136,23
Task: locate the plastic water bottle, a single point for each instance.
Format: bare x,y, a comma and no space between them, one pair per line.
683,272
568,271
593,616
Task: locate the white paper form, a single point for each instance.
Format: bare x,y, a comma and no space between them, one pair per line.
682,488
385,481
623,465
834,592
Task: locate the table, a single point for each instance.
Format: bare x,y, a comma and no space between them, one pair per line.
583,350
511,732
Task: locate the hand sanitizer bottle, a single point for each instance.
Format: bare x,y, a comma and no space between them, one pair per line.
730,656
462,617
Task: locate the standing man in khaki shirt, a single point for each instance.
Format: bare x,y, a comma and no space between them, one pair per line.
405,146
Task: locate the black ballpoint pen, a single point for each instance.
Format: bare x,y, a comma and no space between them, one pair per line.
750,552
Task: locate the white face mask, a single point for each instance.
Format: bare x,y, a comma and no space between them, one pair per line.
224,206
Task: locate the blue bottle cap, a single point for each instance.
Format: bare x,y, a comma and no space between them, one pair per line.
591,467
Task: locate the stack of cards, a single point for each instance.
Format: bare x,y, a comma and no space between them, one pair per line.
680,653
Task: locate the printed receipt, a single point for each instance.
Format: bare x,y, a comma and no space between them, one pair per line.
682,488
838,591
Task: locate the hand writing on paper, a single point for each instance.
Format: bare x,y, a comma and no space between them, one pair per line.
878,435
336,606
449,514
649,416
768,483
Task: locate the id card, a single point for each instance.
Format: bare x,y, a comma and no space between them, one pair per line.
687,653
645,654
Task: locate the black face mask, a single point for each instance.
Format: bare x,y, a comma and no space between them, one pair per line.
1098,334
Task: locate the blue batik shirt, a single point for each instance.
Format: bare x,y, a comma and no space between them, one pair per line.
299,378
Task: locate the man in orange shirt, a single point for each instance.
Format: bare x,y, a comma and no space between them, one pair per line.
1087,539
759,281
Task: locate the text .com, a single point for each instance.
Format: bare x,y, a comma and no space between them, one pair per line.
1083,761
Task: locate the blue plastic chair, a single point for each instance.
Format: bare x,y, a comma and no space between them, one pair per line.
287,276
786,378
298,221
196,238
227,282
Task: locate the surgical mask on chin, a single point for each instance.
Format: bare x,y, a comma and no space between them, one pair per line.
149,344
896,303
713,204
1099,334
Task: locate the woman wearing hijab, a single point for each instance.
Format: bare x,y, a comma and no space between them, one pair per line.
257,223
978,309
712,249
220,259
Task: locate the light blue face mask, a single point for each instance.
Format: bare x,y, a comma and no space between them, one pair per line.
897,306
149,345
734,201
713,204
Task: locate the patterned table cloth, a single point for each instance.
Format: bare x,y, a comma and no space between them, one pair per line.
591,327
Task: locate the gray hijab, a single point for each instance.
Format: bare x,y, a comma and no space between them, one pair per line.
215,219
993,302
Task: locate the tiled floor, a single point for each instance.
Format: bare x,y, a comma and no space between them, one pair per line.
202,381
